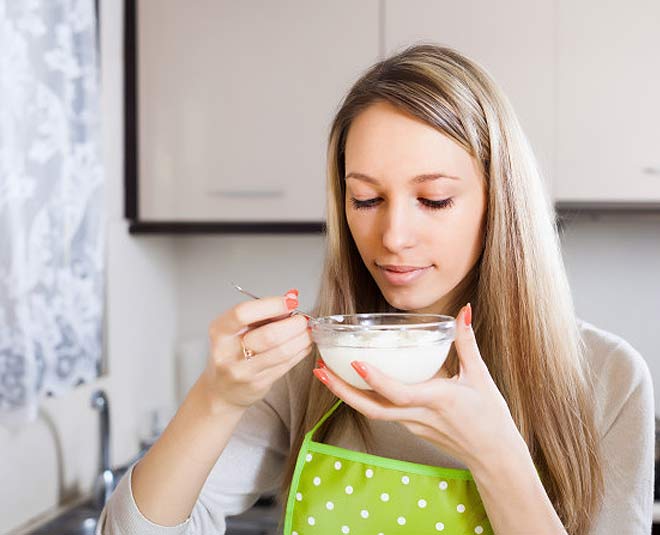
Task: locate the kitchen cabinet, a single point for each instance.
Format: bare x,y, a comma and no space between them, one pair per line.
513,40
233,102
608,131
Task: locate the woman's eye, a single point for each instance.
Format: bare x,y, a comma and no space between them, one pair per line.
437,205
364,204
433,205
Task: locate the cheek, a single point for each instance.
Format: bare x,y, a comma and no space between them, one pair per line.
362,235
460,245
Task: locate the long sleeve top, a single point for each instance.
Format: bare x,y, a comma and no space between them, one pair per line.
253,461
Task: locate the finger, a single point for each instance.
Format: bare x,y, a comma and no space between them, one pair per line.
395,391
275,334
425,394
469,356
240,316
275,372
371,404
240,370
282,353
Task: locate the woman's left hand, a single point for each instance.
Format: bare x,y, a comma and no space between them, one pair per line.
465,415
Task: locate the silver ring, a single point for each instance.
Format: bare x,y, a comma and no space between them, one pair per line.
247,353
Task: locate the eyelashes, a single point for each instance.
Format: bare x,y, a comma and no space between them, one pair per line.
428,203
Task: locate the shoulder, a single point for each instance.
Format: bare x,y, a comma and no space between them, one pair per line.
619,374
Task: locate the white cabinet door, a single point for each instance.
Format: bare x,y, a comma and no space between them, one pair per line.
513,40
609,102
235,101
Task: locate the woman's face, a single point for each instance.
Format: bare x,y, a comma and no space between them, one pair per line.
430,226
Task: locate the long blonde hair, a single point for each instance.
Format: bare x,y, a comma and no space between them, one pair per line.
524,318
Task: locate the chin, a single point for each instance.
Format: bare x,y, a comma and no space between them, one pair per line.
407,303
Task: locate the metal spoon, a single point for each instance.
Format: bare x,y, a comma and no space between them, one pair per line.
249,294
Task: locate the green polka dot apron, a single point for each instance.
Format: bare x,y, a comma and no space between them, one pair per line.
340,491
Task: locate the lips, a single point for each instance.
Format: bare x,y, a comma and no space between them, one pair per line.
401,269
402,275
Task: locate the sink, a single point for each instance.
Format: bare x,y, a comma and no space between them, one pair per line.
79,520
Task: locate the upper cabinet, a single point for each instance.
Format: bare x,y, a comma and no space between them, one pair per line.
512,40
234,102
583,77
608,136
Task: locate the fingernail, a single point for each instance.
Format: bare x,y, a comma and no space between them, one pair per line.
360,368
467,317
321,375
293,291
320,363
291,302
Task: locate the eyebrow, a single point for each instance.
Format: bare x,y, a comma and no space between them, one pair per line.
415,180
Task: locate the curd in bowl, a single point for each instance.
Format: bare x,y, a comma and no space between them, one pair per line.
409,347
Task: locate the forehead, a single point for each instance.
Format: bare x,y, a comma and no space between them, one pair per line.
389,144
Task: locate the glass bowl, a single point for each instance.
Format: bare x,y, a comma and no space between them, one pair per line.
409,347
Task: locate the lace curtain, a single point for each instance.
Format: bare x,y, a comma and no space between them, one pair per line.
51,202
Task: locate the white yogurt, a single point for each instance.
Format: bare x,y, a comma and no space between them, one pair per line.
406,355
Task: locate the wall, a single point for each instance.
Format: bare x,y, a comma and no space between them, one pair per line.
613,264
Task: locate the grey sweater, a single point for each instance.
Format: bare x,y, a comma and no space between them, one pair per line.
252,462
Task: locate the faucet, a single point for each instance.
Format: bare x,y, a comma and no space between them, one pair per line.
105,480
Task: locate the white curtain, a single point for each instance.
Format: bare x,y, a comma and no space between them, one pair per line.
51,202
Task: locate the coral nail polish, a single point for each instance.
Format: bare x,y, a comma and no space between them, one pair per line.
291,303
293,291
360,368
321,375
467,317
320,363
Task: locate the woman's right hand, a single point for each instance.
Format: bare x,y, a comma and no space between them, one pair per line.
277,346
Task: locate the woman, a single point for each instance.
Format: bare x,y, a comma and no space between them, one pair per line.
551,419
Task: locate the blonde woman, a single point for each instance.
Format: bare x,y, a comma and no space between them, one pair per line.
539,422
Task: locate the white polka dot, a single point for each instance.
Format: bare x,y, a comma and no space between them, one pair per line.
401,521
311,521
421,503
337,465
298,496
317,481
308,457
294,533
385,497
349,490
478,529
460,508
442,485
329,506
405,480
364,513
369,473
345,529
439,526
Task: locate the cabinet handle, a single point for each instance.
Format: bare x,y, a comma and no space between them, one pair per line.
247,194
651,170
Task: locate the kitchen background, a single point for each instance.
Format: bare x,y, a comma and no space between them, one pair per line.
598,142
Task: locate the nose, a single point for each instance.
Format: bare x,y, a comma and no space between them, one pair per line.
398,226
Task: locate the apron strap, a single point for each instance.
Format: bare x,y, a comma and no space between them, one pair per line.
327,415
